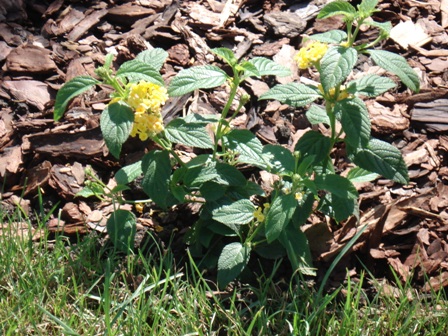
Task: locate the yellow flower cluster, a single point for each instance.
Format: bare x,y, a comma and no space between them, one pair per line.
147,100
311,54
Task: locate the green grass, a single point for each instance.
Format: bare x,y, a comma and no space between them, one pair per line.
55,287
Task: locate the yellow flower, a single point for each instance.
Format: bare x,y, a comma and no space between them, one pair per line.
147,100
311,54
258,214
146,96
298,196
139,207
343,94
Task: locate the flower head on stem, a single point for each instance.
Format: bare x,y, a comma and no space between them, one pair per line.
310,54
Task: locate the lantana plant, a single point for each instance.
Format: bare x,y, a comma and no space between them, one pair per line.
237,218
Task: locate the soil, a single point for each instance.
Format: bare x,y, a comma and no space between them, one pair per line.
43,44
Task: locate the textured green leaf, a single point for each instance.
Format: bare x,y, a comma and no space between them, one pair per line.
314,143
204,119
359,175
199,77
367,7
343,207
212,191
332,36
247,145
268,67
116,125
136,70
129,173
279,215
382,158
233,259
280,159
156,168
121,227
237,213
188,134
337,185
384,27
298,250
214,171
337,8
398,66
155,57
370,85
226,54
70,90
293,94
355,121
317,115
336,65
248,69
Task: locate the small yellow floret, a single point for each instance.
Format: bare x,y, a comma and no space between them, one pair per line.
343,94
139,207
311,54
258,214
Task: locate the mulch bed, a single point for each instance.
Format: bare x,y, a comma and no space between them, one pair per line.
46,43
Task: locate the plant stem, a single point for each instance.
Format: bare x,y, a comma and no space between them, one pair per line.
219,129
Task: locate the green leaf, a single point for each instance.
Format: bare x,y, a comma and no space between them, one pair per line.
293,94
212,191
247,145
370,85
155,57
70,90
156,168
129,173
332,36
219,172
203,119
337,8
355,121
116,125
87,192
188,134
384,27
237,213
359,175
343,207
337,185
398,66
199,77
280,159
298,250
121,227
317,115
382,158
248,69
233,259
136,70
267,67
226,54
367,7
314,143
336,65
279,215
303,210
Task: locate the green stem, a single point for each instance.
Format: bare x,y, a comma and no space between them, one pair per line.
219,129
166,145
